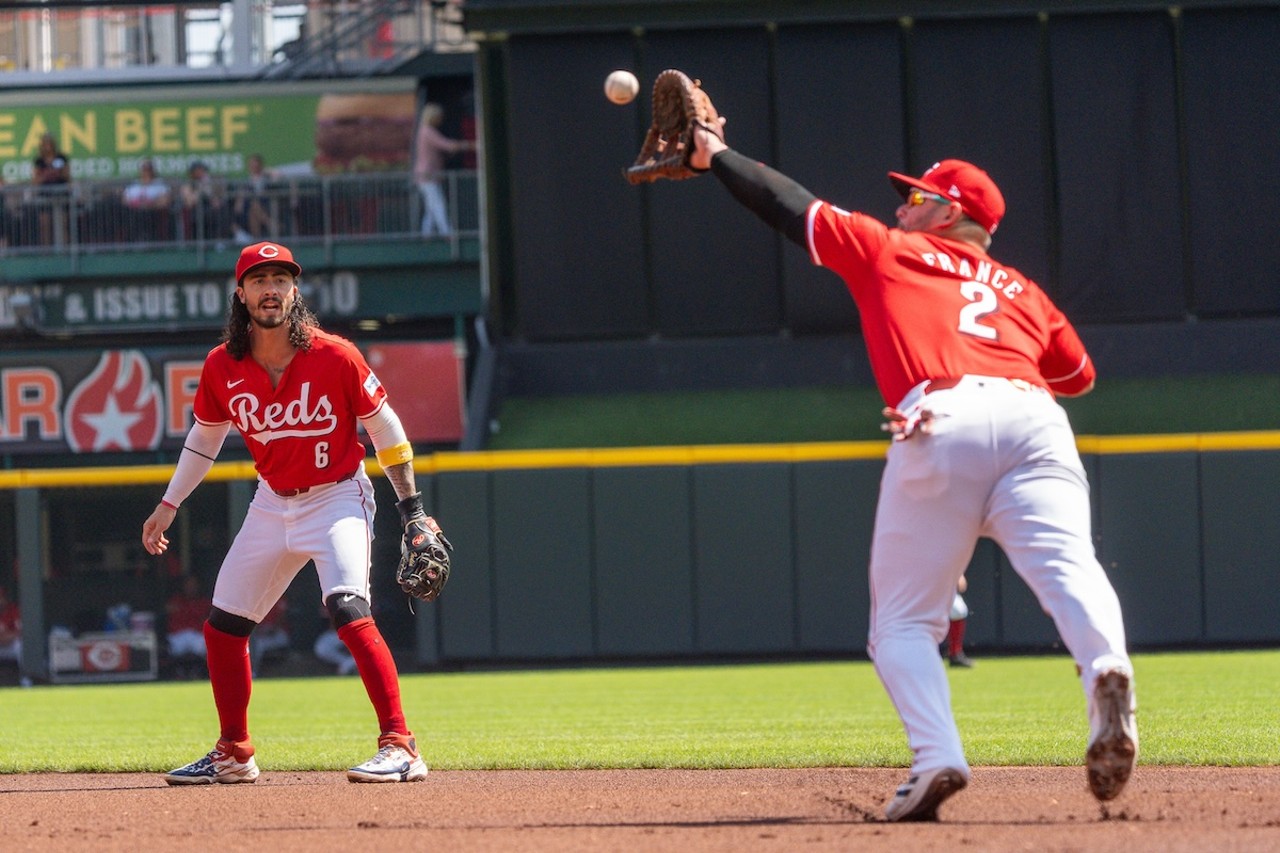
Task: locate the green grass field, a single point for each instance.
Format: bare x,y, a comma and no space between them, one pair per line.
1194,708
1117,407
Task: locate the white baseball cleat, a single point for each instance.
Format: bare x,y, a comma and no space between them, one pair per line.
227,762
1113,735
397,761
919,797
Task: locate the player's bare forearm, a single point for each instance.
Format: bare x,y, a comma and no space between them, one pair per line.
153,529
401,478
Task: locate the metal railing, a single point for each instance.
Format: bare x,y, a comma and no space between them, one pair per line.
96,216
369,39
44,42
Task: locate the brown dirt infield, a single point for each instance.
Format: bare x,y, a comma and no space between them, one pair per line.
1004,809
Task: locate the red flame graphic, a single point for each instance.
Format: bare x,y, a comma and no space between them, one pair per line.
116,407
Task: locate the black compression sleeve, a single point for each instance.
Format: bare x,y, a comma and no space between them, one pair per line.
768,193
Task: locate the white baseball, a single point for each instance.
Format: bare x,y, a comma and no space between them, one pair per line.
621,87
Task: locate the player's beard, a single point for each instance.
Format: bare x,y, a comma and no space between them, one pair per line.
271,321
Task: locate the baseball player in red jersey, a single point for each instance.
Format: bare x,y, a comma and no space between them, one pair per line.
296,394
969,354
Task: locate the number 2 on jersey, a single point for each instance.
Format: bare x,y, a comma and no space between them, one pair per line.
982,303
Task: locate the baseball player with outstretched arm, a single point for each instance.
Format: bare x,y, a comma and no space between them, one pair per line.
295,393
969,354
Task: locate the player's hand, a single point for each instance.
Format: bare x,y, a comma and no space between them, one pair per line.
680,108
902,425
153,538
706,145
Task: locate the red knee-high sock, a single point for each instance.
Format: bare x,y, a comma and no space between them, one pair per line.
232,679
955,638
378,672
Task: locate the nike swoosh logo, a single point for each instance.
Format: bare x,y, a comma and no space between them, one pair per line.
231,384
347,598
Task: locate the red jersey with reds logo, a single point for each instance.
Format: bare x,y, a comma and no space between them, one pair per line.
934,308
303,432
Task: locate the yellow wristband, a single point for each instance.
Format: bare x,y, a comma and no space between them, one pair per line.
400,453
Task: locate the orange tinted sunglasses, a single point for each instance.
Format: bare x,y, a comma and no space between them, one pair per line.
918,197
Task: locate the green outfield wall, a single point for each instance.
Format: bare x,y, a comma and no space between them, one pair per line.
690,552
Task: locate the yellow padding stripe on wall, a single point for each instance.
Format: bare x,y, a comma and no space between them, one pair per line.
1178,442
615,457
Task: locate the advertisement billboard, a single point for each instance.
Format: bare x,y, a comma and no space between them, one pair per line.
306,127
129,400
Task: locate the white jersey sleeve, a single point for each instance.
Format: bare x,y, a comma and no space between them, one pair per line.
199,451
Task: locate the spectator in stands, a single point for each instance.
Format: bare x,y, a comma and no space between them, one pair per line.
430,149
10,628
51,166
204,205
50,174
271,636
383,43
293,48
148,201
185,613
253,204
8,223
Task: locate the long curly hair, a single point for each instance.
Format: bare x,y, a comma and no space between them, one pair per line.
236,333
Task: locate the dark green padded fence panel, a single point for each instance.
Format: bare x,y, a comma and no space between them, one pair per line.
743,551
1112,81
643,561
771,558
465,609
542,563
1149,543
834,512
1241,543
696,226
983,596
828,136
562,293
1232,101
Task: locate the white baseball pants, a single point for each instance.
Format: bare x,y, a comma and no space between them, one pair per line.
330,524
999,460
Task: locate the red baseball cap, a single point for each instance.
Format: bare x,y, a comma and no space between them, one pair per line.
977,195
261,254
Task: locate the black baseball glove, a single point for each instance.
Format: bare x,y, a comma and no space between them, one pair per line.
424,552
679,106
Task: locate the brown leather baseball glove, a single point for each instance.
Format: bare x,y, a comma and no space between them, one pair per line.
679,105
424,552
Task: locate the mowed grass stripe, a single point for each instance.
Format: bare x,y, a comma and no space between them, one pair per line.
1195,708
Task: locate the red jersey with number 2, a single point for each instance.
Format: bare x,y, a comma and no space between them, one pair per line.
935,308
301,433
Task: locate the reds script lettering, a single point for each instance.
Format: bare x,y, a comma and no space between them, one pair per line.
318,421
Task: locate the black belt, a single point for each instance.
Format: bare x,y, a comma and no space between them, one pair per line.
293,493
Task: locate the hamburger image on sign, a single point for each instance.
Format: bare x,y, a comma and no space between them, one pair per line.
364,132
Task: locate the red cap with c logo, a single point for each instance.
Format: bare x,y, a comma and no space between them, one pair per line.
261,254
